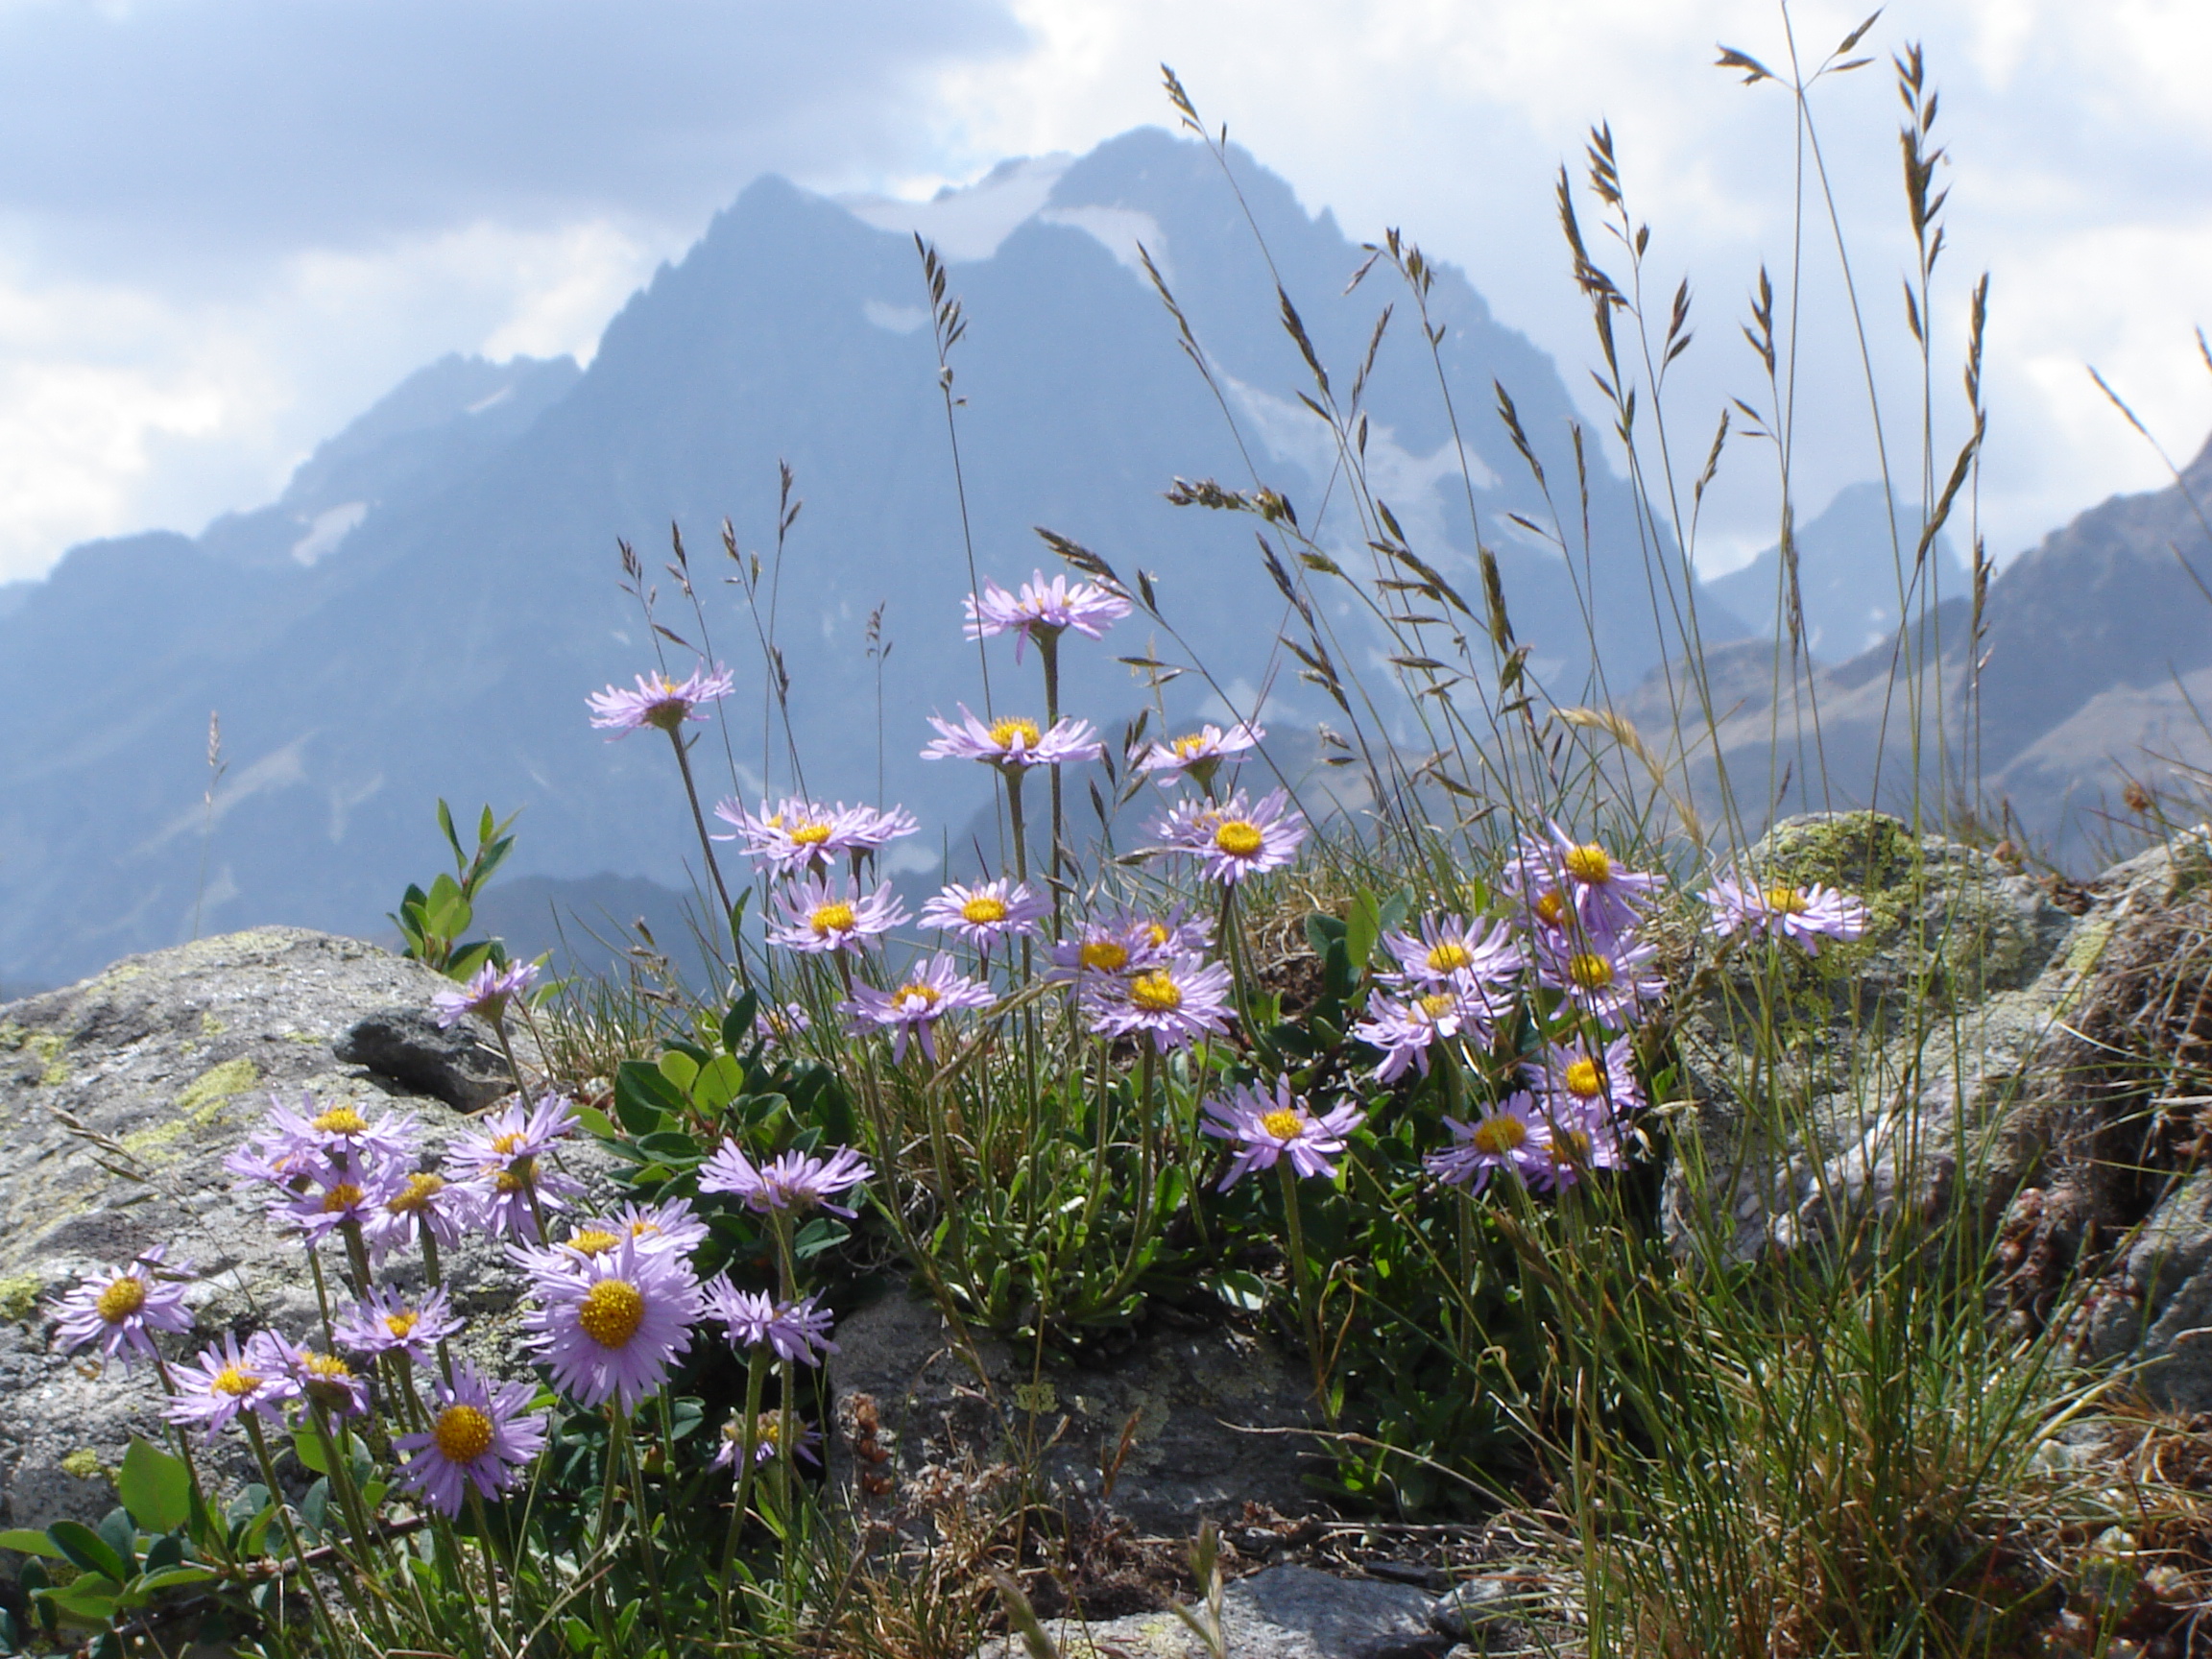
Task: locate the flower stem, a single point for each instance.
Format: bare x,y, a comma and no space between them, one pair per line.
1309,1314
322,1607
707,846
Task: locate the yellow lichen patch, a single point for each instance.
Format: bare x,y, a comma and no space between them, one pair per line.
154,1146
84,1464
122,973
11,1035
1037,1398
19,1297
305,1039
210,1027
2088,945
217,1084
47,1047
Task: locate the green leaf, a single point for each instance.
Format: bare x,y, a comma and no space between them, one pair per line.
597,1124
166,1551
30,1543
87,1549
679,1069
119,1535
91,1599
577,1634
738,1023
1361,928
169,1577
643,1095
309,1450
718,1082
155,1487
1322,931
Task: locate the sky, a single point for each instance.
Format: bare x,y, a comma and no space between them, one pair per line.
227,227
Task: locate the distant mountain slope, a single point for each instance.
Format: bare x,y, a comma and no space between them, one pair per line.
425,609
2096,668
1849,560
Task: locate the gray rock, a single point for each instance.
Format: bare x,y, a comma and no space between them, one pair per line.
1901,1050
2155,1308
119,1099
1281,1613
1161,1434
409,1046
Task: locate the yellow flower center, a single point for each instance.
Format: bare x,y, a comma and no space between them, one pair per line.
983,910
810,835
507,1142
1104,956
1186,747
416,1196
611,1313
1500,1135
1282,1123
916,992
341,1120
1238,837
592,1241
828,919
638,1229
1450,957
517,1177
1588,863
1156,992
343,1196
1581,1079
1156,934
329,1368
1589,970
121,1299
1570,1146
462,1434
1436,1004
1550,909
1786,901
233,1382
403,1324
1004,732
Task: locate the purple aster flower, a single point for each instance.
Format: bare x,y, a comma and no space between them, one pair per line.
1266,1127
1197,755
121,1309
984,914
1607,977
222,1383
1802,915
486,995
797,1331
1235,840
820,917
324,1378
931,992
505,1159
1044,609
1509,1135
612,1329
1578,877
1405,1028
795,1181
670,1225
1012,743
289,1144
344,1193
479,1434
387,1322
420,1202
1450,952
1174,1000
1570,1079
659,701
1577,1141
782,1027
799,834
767,1433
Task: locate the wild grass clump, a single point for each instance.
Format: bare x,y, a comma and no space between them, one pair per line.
1567,1130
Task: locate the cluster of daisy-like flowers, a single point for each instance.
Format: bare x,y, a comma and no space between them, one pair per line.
613,1302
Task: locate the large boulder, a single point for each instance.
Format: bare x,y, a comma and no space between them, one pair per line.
1866,1075
119,1099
